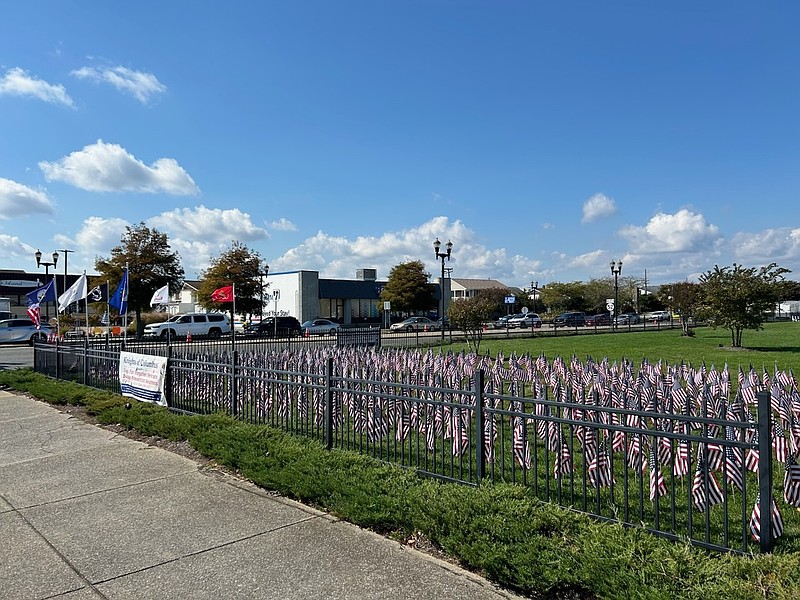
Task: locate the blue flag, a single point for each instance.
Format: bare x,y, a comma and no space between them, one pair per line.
120,298
46,293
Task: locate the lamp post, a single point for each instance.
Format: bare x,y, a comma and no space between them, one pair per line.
616,269
66,256
46,265
534,291
443,255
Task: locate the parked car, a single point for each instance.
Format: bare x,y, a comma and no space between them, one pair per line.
23,331
627,319
319,327
659,315
527,320
212,325
502,322
598,319
284,327
570,319
415,324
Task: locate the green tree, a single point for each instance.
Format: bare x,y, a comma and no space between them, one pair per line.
685,299
469,315
561,297
238,265
497,299
408,289
151,262
597,291
738,298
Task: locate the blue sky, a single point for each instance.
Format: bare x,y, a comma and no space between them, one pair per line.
543,138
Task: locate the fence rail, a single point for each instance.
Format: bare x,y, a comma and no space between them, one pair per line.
683,466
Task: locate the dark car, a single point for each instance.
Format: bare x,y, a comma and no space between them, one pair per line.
627,319
598,319
284,327
570,319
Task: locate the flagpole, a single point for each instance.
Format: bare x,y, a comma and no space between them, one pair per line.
108,308
125,296
233,317
86,310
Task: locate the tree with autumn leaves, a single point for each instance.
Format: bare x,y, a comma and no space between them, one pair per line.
151,264
238,266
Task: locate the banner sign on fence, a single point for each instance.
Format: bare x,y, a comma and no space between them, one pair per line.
141,376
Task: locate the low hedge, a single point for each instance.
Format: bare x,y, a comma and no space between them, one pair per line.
500,531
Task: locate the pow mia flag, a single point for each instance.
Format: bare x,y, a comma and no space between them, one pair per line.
98,293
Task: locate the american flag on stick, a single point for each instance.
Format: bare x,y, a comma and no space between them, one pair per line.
755,519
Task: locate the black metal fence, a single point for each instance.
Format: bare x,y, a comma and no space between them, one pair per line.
664,449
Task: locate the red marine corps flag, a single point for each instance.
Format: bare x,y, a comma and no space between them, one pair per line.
223,294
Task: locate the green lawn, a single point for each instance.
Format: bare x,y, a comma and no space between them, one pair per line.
778,344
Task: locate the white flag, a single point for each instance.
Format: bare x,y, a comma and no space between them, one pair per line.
161,296
77,291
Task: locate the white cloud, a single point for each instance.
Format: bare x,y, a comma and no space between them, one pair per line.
684,231
142,86
770,245
17,82
14,251
103,167
597,207
590,261
96,237
340,257
212,225
282,225
17,200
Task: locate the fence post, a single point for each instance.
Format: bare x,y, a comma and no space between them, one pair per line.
328,404
480,442
58,360
765,469
234,382
86,360
168,378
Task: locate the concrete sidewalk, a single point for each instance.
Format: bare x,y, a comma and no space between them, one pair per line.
86,513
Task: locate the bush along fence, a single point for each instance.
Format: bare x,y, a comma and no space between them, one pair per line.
668,448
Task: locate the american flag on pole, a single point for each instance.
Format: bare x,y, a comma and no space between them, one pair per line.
791,482
775,514
599,468
658,487
706,492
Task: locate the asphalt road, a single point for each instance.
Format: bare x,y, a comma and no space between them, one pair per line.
13,356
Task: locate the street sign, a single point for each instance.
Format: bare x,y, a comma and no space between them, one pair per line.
511,299
610,304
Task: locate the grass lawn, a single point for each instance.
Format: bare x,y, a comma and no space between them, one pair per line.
778,344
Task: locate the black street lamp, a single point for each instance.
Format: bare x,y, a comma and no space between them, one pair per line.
616,269
46,265
443,255
534,291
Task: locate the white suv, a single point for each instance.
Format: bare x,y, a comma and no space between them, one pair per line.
212,325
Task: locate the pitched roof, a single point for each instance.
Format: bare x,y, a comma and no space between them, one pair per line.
479,284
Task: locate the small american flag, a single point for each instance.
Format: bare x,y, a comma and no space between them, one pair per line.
599,469
658,487
755,519
791,482
706,492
